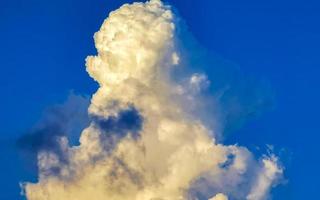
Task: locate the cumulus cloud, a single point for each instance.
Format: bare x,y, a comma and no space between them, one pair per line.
165,151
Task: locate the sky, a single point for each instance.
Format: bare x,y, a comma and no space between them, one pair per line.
44,45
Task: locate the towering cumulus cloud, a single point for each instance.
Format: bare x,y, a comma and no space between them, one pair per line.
143,143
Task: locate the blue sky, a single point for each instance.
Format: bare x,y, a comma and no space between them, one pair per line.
44,44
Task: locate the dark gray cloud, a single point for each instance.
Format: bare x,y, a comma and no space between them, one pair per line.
45,138
126,121
67,119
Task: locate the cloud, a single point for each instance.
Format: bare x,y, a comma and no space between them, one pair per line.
224,96
125,121
219,196
269,172
161,149
67,119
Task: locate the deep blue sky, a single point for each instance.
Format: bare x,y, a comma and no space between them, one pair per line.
44,44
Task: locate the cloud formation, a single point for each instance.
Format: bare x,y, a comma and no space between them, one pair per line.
143,142
66,119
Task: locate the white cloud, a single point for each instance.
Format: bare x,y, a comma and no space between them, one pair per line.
198,82
267,176
136,53
219,196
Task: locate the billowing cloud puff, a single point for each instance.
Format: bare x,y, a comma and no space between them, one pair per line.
142,143
219,196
